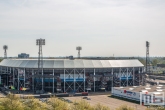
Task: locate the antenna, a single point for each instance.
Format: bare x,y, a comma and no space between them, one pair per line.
78,48
5,47
147,57
40,42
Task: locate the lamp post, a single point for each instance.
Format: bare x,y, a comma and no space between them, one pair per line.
40,42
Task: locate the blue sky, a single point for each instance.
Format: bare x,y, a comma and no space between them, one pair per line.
101,27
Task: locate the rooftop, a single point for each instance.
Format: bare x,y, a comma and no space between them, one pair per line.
75,63
148,88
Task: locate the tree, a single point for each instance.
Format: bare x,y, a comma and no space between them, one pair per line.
12,102
81,105
1,59
142,61
155,108
34,104
154,62
124,107
101,107
56,104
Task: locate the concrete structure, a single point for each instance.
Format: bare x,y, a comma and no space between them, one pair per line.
23,55
151,94
78,75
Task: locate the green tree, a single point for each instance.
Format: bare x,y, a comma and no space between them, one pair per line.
56,104
124,107
1,59
34,104
155,62
81,105
101,107
12,102
143,61
155,108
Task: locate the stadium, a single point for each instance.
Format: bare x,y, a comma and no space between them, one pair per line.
70,75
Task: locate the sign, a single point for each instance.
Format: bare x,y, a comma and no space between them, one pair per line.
152,98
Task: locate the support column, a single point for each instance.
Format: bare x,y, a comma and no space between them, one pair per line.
140,79
127,77
7,77
13,77
0,79
42,80
33,79
74,80
53,80
143,69
94,79
0,73
64,80
84,79
112,78
18,81
24,77
120,76
133,77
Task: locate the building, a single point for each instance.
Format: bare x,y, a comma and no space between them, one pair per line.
23,55
148,95
65,75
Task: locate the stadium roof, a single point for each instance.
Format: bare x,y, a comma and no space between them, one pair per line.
66,63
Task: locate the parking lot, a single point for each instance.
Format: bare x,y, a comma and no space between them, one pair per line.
107,101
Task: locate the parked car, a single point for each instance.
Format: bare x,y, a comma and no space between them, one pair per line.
88,99
85,97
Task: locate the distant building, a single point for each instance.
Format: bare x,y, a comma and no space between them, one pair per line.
23,55
70,57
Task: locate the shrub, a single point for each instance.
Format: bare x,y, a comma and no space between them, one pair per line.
124,107
101,107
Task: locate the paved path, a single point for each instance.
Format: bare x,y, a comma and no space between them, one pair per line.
112,103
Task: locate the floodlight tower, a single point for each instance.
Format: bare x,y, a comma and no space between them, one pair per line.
40,42
5,47
78,48
147,57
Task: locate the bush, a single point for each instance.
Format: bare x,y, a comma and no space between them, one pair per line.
124,107
33,104
81,105
155,108
12,102
56,104
101,107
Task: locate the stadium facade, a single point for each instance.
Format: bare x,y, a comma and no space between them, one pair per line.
77,75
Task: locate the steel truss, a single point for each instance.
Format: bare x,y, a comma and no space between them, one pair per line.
69,80
79,80
76,80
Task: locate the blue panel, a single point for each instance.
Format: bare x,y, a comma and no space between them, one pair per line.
81,79
130,77
69,80
45,80
48,80
21,79
62,80
125,78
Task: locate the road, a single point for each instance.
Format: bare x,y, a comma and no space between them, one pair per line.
112,103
